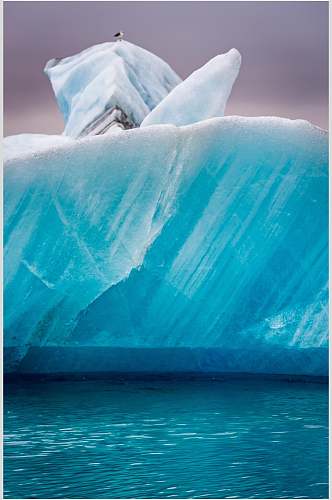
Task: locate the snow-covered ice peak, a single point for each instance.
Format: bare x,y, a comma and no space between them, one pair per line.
110,84
202,95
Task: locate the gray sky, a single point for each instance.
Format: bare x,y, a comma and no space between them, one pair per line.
284,47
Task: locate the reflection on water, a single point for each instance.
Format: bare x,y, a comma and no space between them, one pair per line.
166,439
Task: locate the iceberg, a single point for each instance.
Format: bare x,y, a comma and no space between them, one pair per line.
108,86
200,248
202,95
195,242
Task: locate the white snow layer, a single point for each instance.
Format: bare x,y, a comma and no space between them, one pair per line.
22,144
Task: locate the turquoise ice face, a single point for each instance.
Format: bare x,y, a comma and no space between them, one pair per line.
208,236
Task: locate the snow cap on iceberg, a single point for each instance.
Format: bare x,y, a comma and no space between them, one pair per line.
22,144
202,95
108,84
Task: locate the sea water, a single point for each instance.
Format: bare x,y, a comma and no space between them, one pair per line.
166,439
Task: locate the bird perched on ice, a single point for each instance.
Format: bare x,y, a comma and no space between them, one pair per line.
119,36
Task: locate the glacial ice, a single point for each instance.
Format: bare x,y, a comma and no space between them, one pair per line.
202,95
108,85
196,248
170,248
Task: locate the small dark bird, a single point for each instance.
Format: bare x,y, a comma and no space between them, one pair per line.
119,35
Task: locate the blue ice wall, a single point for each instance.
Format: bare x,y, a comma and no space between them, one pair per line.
203,245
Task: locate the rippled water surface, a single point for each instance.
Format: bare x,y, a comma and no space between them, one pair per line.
166,439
